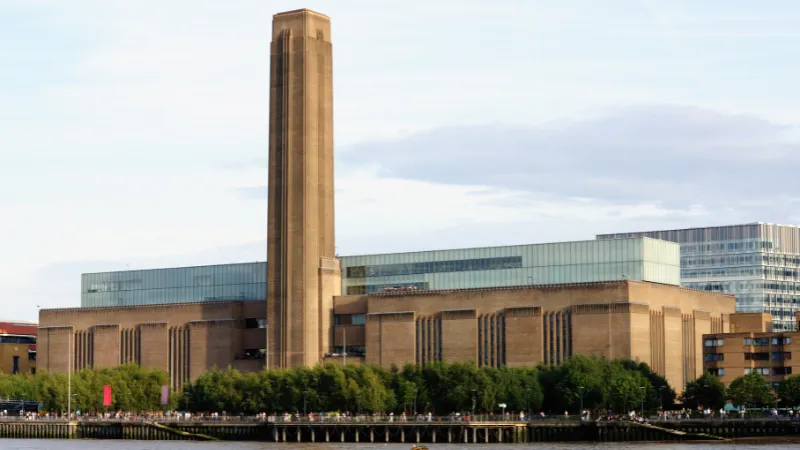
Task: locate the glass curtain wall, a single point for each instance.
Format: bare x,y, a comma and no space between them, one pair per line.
759,263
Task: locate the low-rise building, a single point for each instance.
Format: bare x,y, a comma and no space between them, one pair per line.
17,347
751,346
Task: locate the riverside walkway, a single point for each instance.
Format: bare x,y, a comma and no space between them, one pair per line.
427,432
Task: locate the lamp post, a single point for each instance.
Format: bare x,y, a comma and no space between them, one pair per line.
661,395
580,389
473,405
69,375
641,412
305,396
528,403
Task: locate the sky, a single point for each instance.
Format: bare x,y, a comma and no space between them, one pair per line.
134,134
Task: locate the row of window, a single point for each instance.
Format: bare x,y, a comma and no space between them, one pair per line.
771,273
745,259
240,292
361,289
349,319
179,277
727,246
461,265
352,350
759,259
17,339
742,286
765,356
714,342
767,341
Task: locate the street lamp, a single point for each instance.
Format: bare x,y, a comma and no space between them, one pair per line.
641,412
473,405
528,402
69,375
661,394
580,389
305,396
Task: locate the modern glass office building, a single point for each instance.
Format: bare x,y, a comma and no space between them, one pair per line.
758,262
565,262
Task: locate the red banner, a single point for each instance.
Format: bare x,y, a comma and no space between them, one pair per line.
106,395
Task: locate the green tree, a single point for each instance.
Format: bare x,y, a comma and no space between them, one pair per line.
661,393
705,392
751,391
789,391
372,394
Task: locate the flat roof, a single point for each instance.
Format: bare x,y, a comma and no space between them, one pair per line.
701,228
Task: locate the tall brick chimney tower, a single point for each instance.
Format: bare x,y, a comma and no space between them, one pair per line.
303,273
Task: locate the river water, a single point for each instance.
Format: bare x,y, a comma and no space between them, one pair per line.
33,444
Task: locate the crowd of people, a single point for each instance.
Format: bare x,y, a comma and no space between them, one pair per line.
336,417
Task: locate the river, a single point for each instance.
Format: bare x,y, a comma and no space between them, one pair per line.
34,444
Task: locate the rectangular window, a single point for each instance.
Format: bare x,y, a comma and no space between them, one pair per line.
714,357
782,370
255,323
748,341
349,319
756,356
16,365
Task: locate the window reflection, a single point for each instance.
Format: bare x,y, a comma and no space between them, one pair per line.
243,282
461,265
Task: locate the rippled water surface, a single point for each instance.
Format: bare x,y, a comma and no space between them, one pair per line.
31,444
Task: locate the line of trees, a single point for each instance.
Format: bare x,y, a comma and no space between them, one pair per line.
578,383
133,389
591,383
750,390
438,388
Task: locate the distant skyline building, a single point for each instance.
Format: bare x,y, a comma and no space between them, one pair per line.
641,259
757,262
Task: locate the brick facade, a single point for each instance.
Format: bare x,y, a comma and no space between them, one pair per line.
183,339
